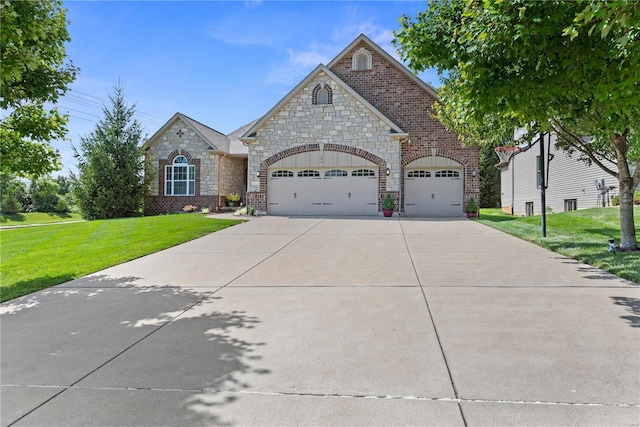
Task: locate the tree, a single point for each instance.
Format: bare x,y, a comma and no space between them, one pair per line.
489,178
13,194
33,72
568,67
110,181
44,196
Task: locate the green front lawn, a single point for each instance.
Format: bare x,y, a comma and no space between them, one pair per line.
35,258
582,235
37,218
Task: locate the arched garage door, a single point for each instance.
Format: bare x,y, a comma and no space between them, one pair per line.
433,187
323,183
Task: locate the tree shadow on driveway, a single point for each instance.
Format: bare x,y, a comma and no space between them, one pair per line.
119,347
633,307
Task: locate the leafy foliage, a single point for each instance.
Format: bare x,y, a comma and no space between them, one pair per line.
32,45
44,196
13,194
489,178
388,202
568,67
111,181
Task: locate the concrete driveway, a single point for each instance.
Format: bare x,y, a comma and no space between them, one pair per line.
327,321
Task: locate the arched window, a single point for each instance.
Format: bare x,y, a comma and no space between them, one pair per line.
361,60
322,95
180,178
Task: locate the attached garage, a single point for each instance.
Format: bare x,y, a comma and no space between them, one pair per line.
323,183
433,187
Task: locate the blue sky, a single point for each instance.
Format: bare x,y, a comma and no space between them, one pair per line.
222,63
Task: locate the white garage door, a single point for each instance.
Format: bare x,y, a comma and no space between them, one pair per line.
433,192
328,191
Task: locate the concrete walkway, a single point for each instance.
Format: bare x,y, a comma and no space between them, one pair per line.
326,321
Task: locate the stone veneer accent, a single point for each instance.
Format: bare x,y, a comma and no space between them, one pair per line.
197,151
410,106
346,125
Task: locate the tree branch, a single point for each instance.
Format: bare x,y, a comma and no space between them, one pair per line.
576,142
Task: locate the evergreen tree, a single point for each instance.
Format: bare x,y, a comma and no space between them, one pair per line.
110,181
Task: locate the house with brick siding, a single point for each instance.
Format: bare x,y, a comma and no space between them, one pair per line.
351,132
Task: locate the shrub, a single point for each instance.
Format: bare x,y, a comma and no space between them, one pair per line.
472,206
10,204
615,201
62,206
44,195
233,197
388,202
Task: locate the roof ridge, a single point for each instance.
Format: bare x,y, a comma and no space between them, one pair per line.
202,124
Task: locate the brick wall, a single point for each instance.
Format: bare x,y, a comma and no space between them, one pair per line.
409,106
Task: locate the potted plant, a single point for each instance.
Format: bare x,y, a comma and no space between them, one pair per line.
232,198
388,205
472,208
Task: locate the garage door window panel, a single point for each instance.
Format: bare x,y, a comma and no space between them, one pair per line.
309,173
335,173
419,174
363,172
447,174
282,174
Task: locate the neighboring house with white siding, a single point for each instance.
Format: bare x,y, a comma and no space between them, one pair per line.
572,184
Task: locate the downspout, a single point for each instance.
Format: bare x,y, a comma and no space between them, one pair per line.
218,182
513,183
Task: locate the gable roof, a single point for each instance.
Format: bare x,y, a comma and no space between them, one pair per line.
248,135
235,144
388,57
214,139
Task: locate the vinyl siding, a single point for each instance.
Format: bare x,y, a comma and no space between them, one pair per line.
569,178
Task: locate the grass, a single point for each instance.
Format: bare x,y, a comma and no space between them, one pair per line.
35,258
37,218
582,235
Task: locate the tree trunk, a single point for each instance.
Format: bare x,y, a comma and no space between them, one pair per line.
628,240
627,184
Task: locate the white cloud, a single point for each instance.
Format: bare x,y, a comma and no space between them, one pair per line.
300,62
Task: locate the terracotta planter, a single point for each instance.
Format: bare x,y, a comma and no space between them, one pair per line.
387,212
472,215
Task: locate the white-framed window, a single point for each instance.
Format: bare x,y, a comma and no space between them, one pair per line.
309,173
361,60
570,205
180,178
